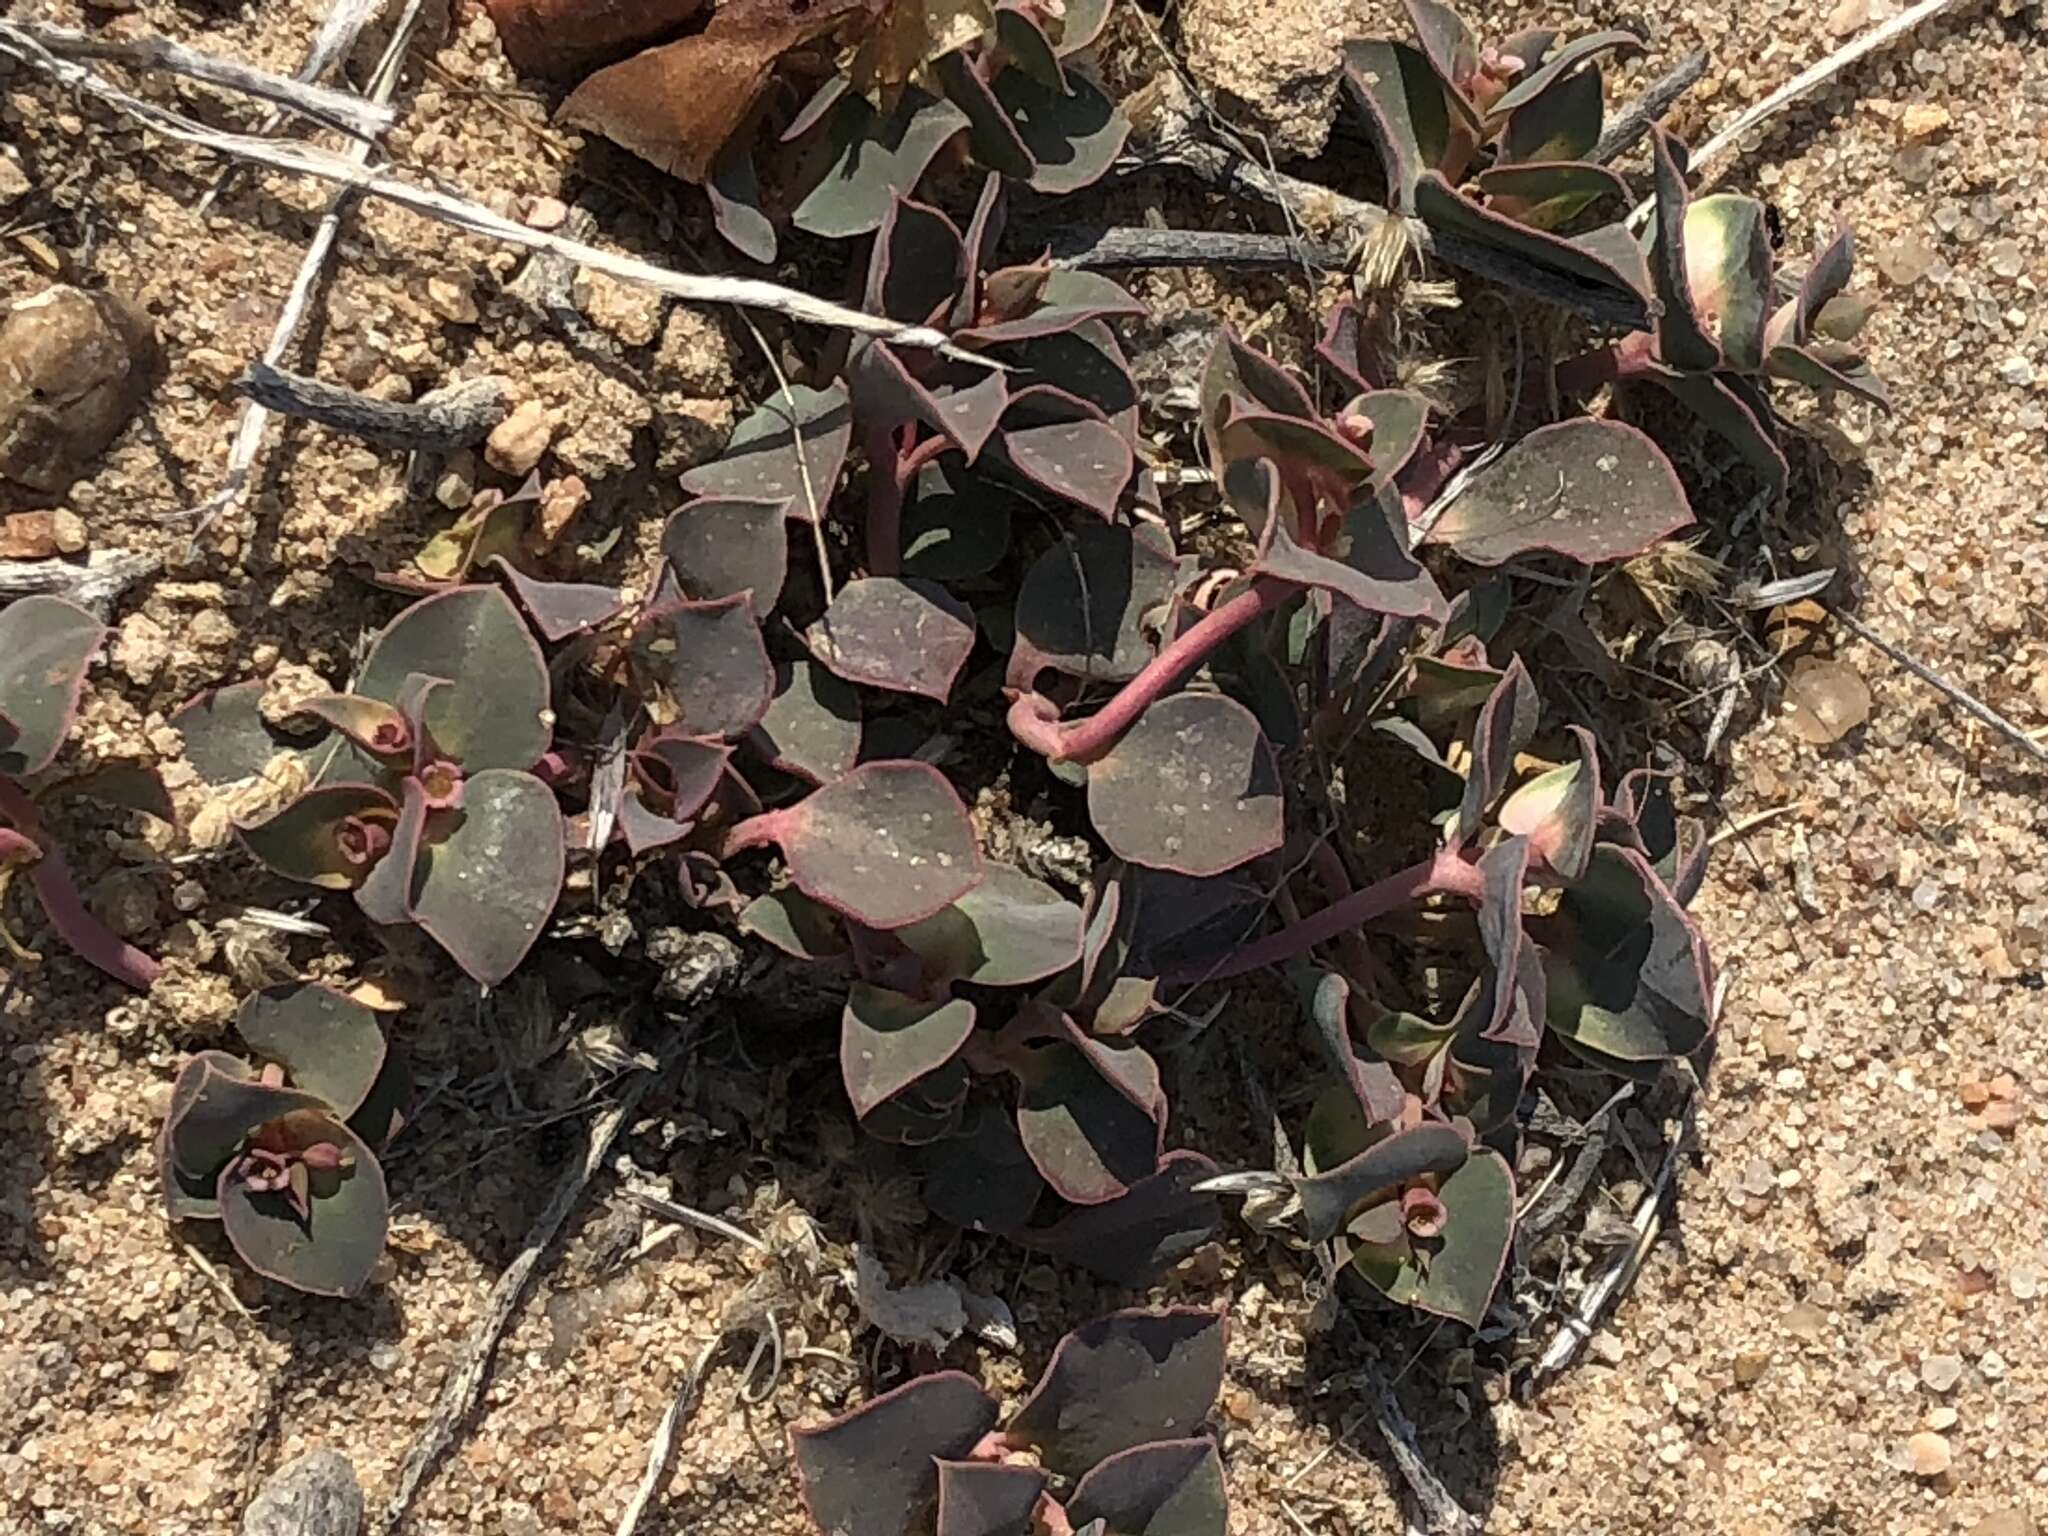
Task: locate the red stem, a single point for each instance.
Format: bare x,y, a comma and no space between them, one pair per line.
762,831
1445,873
1035,719
93,941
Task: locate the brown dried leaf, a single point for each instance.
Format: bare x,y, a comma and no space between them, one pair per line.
675,106
912,35
1826,701
560,39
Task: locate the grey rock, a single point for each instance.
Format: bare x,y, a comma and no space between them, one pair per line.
316,1495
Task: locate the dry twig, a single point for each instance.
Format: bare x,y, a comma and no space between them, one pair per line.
94,585
1969,703
440,421
1136,247
1633,124
661,1451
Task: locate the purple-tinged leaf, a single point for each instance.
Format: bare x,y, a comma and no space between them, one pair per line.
493,712
384,1108
1740,420
1588,489
980,1177
490,872
813,725
1124,1380
1447,41
978,1498
1365,562
331,1250
226,737
1293,444
1556,811
190,1196
1506,722
961,402
958,524
927,1111
328,1044
796,925
1089,605
1026,46
377,728
1168,1488
1062,444
1400,426
673,777
46,644
27,844
1085,1128
1792,325
1079,358
865,160
1454,1274
875,1471
1073,137
385,896
710,660
1081,25
560,609
1330,1196
1546,193
992,134
1009,931
1560,123
1728,266
735,193
1497,1011
887,844
763,461
215,1103
1682,340
1237,376
887,1041
900,633
719,545
320,838
1567,58
1585,270
1628,974
1131,1241
918,265
1192,788
131,786
1375,1091
1407,108
984,230
1342,346
1827,366
1064,300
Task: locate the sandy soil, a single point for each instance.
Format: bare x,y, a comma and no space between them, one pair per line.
1855,1255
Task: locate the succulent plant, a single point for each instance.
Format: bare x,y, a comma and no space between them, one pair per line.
46,645
284,1154
426,805
1111,1439
1000,79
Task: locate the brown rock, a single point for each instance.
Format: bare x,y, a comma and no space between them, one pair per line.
516,443
28,536
73,367
1923,120
452,296
630,312
14,182
1928,1454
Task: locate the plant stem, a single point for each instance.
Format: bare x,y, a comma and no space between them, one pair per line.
1633,357
762,831
1035,719
1444,873
66,909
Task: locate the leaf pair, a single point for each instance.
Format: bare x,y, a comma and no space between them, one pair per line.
1117,1419
286,1158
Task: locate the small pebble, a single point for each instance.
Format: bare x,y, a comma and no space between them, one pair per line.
1907,259
2025,1283
161,1362
14,182
547,213
1940,1373
1750,1366
1928,1454
1924,119
2017,370
1940,1417
2005,259
517,443
452,296
1992,1364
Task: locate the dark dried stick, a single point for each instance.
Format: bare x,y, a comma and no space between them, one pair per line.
1092,248
459,416
1634,122
1968,703
1442,1514
93,585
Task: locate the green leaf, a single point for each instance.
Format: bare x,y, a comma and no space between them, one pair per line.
1556,811
1009,931
795,433
328,1044
1082,1120
918,265
1073,137
1728,267
1589,489
887,844
1628,974
1504,725
1545,193
1331,1197
226,737
957,525
1682,340
979,1176
1562,122
710,659
1456,1277
887,1041
865,160
901,633
46,644
875,1471
1168,1488
1192,788
331,1251
309,840
813,725
1132,1240
215,1103
1084,605
493,710
796,925
1561,63
1583,267
719,545
1407,112
1124,1380
490,872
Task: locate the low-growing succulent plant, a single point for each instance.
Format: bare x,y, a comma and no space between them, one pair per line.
1112,1439
891,85
284,1153
46,645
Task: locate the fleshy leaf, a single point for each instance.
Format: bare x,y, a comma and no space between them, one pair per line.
813,725
900,633
1073,137
1132,1240
560,609
1589,489
720,545
887,1041
1628,974
215,1103
1738,419
1682,340
980,1177
1091,1115
46,644
710,659
761,462
1594,278
918,265
1009,931
226,736
927,1111
1566,58
1192,788
1407,109
1728,272
734,191
674,776
1505,723
1083,606
1562,122
1548,193
1330,1196
490,872
874,1472
493,710
977,1498
996,141
864,160
887,844
331,1251
957,526
795,924
328,1044
1168,1488
1061,443
1124,1380
308,838
1556,811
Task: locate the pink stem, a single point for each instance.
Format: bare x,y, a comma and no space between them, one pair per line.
762,831
1444,873
93,941
1630,358
1035,719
